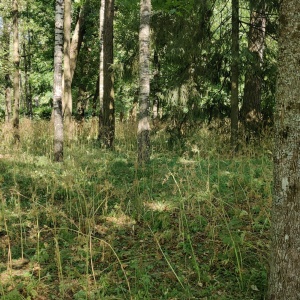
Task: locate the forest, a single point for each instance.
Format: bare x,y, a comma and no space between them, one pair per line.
149,149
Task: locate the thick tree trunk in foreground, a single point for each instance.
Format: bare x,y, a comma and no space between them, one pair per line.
234,74
108,125
16,76
284,282
144,103
57,85
251,108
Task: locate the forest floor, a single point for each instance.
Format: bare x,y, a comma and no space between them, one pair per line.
192,224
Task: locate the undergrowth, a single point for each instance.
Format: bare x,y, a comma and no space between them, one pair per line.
193,224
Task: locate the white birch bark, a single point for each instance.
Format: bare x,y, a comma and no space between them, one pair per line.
57,84
144,75
67,95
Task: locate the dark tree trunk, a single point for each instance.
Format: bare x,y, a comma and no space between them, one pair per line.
234,74
251,108
27,67
16,76
108,125
6,64
95,98
156,88
81,104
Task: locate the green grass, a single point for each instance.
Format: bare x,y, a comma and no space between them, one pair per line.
193,224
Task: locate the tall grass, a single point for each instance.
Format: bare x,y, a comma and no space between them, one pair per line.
194,224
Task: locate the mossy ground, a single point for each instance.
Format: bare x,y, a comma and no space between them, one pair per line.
193,224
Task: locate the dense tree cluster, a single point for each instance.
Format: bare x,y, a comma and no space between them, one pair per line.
192,62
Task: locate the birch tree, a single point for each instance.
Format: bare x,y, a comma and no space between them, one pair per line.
67,95
101,74
143,131
57,84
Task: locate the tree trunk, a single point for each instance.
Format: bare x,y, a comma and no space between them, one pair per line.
70,62
8,108
234,74
81,104
8,83
155,87
143,131
77,38
27,67
251,108
108,126
95,98
67,95
16,76
101,73
284,281
57,88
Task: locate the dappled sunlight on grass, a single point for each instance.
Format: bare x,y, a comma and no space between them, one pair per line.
160,205
193,222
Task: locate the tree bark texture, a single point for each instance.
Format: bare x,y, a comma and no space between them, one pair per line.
77,38
143,131
6,64
27,67
108,126
101,73
74,49
284,281
57,84
251,108
155,87
16,74
67,95
234,74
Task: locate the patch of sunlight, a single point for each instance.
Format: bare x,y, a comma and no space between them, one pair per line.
17,268
160,206
185,161
120,220
5,156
